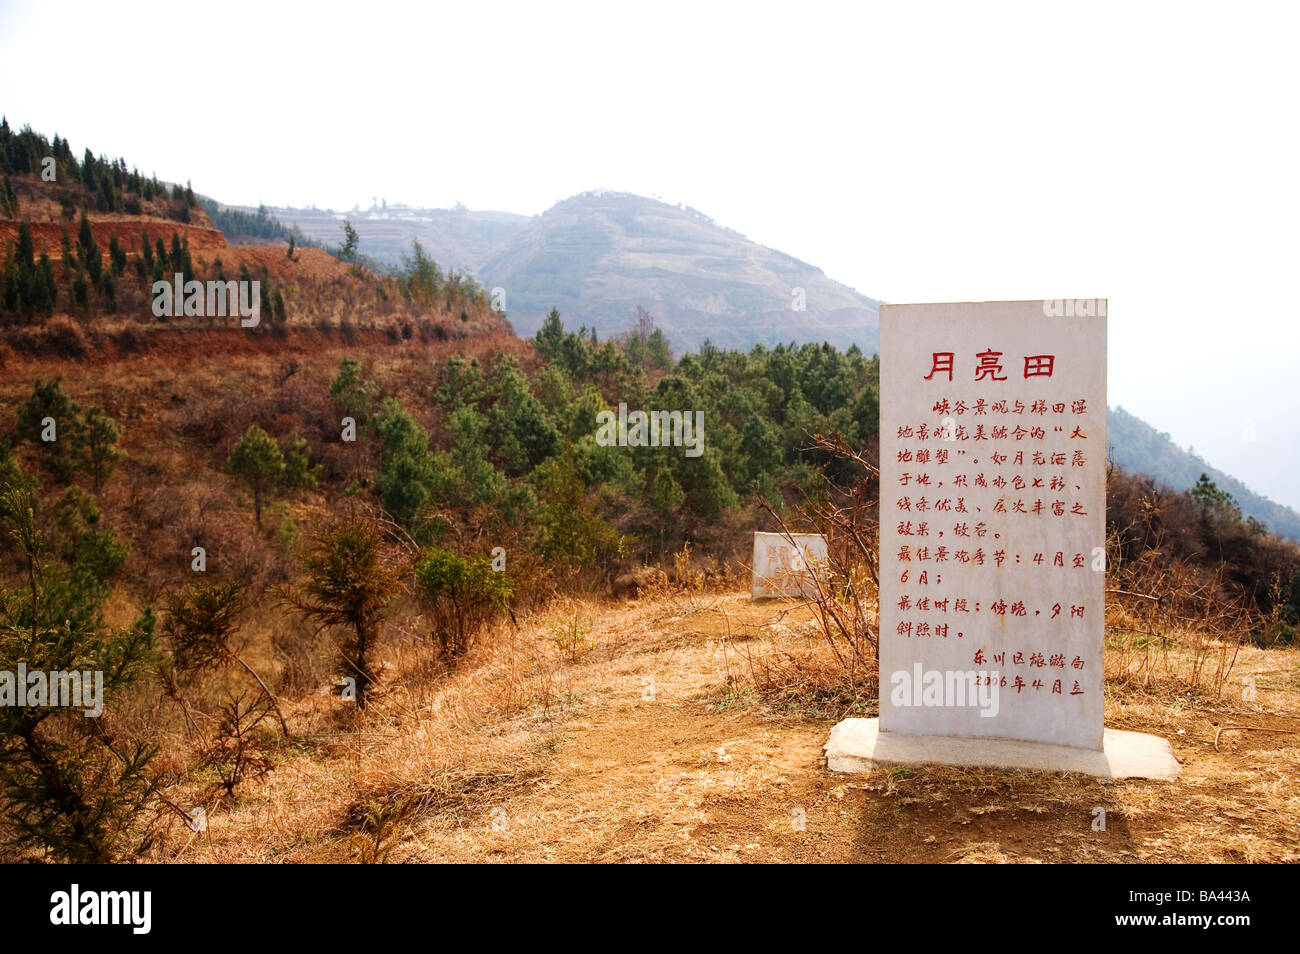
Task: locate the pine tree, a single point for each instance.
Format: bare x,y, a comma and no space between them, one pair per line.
408,471
69,792
353,395
100,434
88,173
116,255
107,198
108,288
199,625
660,354
348,585
423,279
257,460
550,337
80,290
46,283
177,258
69,256
349,250
25,291
90,254
49,403
298,470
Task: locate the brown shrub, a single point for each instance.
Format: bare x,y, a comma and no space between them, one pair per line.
131,339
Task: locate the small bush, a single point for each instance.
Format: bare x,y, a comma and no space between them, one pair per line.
464,596
66,339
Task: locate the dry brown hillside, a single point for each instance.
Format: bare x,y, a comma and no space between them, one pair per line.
309,288
323,300
51,209
48,235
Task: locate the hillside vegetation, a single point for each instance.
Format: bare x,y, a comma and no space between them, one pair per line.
348,574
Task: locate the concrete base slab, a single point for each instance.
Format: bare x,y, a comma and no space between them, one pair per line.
858,745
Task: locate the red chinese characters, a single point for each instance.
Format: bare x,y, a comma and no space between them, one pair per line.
988,365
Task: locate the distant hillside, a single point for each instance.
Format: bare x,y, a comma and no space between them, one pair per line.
459,238
1139,447
598,256
252,228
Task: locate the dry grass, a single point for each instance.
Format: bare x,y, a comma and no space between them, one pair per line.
654,742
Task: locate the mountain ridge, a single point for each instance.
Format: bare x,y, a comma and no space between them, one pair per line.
598,255
1141,448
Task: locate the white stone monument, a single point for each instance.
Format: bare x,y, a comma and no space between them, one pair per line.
785,568
992,537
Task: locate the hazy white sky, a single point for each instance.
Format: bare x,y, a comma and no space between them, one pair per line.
918,152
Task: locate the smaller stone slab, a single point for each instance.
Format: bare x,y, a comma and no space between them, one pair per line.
858,745
783,568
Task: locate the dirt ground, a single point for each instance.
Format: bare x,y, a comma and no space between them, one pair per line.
637,733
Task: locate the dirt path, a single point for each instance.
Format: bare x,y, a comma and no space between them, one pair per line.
658,756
